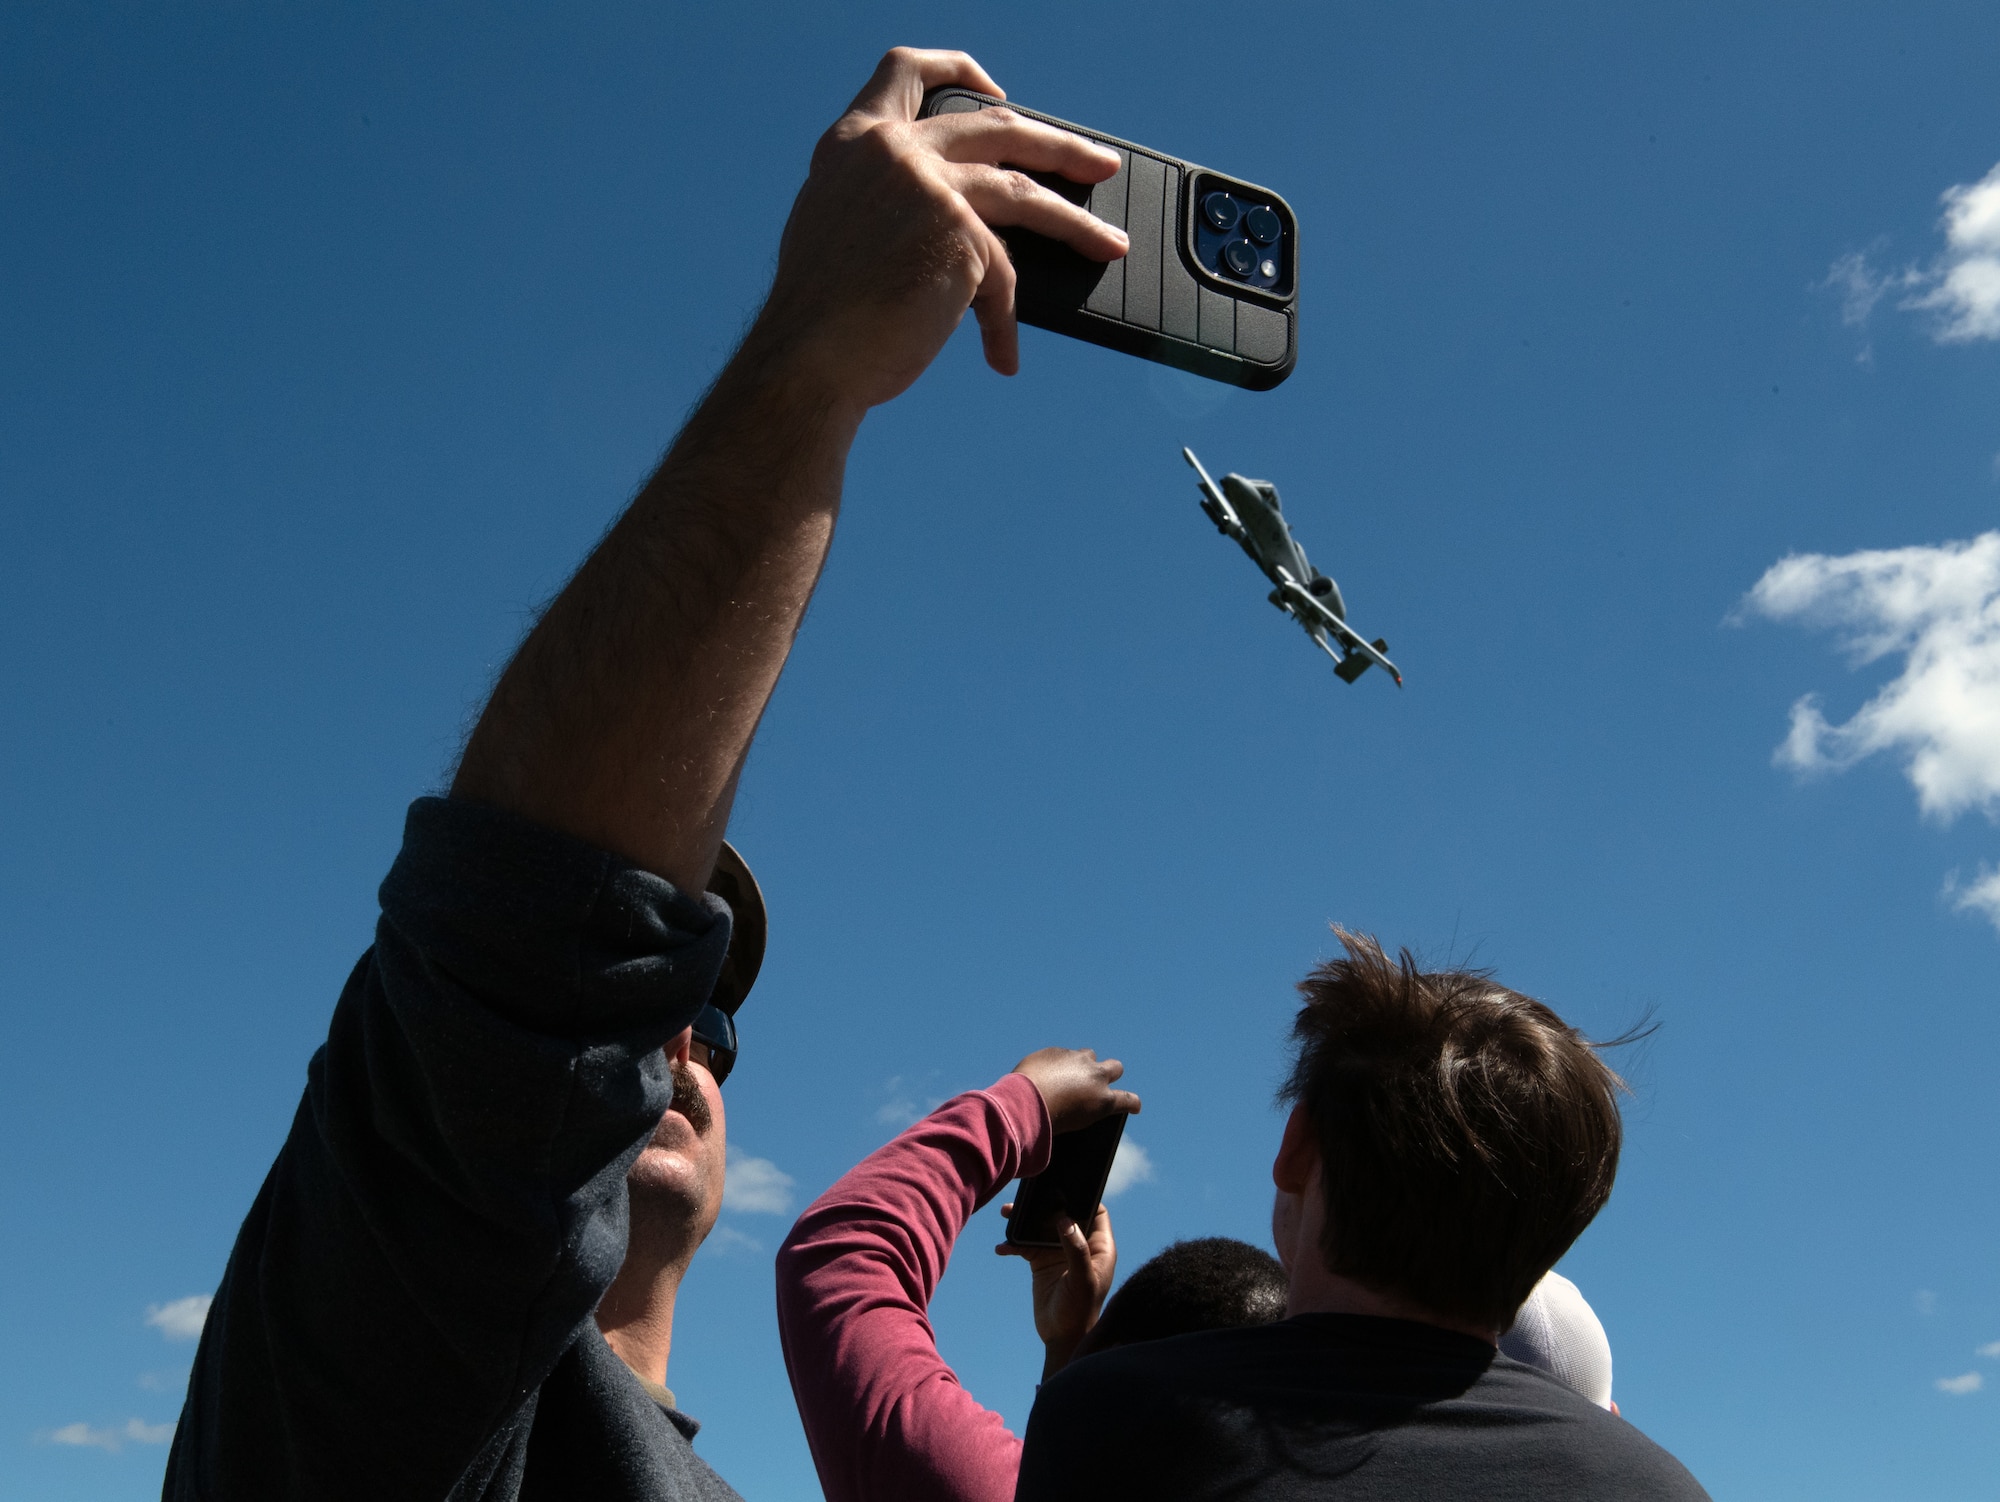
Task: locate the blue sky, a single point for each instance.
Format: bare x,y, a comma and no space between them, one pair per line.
331,337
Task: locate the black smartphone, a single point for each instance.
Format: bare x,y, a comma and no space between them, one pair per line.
1072,1184
1210,284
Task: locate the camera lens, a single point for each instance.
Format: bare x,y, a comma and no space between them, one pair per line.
1263,225
1240,256
1222,211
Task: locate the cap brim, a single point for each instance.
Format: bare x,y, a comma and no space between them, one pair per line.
734,884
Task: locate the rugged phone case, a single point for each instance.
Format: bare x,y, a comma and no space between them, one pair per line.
1159,302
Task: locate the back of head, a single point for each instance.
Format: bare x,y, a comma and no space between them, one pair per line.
1213,1283
1467,1135
1558,1332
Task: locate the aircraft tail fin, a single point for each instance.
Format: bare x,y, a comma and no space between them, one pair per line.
1355,663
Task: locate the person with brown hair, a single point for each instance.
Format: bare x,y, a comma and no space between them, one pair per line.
1448,1140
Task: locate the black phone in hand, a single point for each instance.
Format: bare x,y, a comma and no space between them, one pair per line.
1210,284
1072,1185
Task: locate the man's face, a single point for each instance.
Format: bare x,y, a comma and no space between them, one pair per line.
677,1182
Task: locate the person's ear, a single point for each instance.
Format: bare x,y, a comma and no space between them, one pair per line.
1298,1154
1284,1227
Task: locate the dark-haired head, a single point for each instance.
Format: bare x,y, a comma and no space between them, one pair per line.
1466,1134
1212,1283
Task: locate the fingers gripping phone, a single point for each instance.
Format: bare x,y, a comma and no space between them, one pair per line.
1210,284
1072,1185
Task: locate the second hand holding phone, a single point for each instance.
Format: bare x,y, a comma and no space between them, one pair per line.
1071,1186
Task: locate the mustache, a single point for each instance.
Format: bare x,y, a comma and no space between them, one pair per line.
688,1099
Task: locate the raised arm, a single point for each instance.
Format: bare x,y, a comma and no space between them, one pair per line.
625,717
882,1409
450,1202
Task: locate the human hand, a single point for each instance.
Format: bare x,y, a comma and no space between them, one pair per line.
1076,1086
891,238
1069,1283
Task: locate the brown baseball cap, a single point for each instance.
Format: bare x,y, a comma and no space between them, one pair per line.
734,884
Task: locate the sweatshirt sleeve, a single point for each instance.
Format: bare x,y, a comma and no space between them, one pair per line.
450,1202
884,1414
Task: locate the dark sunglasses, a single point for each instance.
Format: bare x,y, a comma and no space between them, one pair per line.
715,1030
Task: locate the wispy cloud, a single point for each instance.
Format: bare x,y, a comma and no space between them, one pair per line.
1959,1386
1980,895
725,1240
172,1381
1938,608
1925,1300
1959,288
905,1103
1992,1349
1132,1165
756,1186
132,1431
183,1318
1860,286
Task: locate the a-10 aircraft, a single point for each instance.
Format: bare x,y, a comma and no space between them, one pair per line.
1248,510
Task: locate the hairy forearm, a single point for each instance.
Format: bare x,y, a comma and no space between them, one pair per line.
625,716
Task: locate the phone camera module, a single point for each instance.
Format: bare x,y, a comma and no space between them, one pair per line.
1240,256
1263,225
1221,211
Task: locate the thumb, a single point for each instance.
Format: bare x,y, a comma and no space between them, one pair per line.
1076,1253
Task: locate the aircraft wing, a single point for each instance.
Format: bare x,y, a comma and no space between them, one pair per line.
1312,613
1216,504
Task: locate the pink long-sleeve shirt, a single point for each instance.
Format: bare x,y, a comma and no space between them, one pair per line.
884,1414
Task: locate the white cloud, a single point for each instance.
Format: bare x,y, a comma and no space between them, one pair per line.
756,1186
1925,1300
1991,1348
1939,609
726,1239
1958,1387
135,1430
1960,288
182,1319
1130,1166
1964,289
174,1381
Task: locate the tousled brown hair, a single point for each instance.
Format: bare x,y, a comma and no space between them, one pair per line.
1467,1134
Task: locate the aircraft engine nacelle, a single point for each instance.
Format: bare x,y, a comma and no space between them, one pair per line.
1327,593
